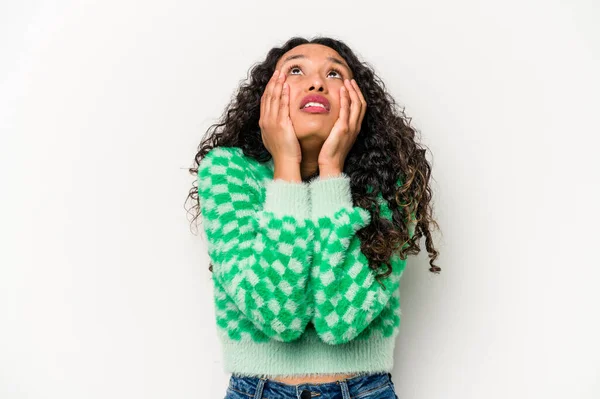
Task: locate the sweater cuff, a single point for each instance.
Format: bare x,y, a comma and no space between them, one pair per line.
286,198
330,194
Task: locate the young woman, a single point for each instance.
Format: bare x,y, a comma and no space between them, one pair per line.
313,191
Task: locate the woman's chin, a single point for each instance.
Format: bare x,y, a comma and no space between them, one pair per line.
312,129
320,133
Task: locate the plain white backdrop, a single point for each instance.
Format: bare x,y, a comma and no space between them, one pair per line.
105,290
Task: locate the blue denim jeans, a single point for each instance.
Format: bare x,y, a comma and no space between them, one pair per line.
371,386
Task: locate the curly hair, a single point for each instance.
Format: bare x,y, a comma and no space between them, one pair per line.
384,154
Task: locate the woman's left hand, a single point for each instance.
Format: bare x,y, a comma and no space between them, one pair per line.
345,130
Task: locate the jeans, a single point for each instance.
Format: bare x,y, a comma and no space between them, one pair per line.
371,386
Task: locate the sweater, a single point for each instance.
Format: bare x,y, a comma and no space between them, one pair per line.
293,293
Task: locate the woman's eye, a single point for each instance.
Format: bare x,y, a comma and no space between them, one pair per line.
294,69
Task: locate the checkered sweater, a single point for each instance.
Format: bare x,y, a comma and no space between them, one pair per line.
293,293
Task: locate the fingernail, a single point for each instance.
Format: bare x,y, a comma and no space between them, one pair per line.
275,73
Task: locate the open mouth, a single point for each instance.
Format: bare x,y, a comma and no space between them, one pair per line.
315,103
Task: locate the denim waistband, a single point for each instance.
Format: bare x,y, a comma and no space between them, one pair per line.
256,387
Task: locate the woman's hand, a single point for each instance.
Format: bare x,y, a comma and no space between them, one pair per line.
345,130
276,127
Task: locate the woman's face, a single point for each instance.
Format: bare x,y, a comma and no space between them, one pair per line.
314,69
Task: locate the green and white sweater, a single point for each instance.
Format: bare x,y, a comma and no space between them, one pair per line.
293,292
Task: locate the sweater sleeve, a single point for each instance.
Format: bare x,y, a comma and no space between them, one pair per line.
347,297
260,244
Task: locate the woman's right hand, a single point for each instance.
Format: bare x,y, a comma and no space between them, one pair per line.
276,127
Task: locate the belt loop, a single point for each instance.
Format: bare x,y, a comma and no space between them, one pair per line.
345,389
259,388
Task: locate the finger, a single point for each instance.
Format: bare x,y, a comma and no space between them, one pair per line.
265,100
276,97
363,108
344,106
355,106
284,105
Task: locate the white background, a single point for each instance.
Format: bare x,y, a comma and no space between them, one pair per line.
105,290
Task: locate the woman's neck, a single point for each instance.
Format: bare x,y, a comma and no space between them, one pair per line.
309,166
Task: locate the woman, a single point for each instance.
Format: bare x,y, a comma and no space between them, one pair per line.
313,191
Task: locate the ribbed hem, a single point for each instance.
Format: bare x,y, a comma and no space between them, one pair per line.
286,198
330,194
308,356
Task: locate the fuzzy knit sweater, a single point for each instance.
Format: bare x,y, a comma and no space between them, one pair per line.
293,293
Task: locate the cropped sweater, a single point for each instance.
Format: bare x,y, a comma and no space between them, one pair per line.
293,293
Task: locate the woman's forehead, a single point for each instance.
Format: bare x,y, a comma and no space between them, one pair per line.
314,52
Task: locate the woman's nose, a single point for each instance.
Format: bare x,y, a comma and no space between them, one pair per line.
316,84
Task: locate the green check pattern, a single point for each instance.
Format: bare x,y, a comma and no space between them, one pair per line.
261,258
347,297
286,256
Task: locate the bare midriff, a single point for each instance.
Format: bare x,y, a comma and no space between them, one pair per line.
321,379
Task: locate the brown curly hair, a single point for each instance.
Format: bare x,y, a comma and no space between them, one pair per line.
384,154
